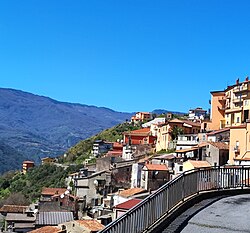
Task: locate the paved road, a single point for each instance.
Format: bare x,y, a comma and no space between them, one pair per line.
227,215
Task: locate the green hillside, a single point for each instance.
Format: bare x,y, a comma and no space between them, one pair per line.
82,150
27,187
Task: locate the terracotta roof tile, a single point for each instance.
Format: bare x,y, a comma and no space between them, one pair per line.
156,167
53,191
46,229
220,145
128,204
187,150
141,132
131,192
199,164
218,131
91,224
13,209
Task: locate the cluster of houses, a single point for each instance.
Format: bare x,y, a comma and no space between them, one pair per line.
129,170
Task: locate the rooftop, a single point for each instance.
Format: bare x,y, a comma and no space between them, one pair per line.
128,204
156,167
144,131
131,192
91,224
46,229
53,218
13,209
218,131
199,164
220,145
53,191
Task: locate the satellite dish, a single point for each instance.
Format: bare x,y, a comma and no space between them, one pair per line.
62,196
66,192
96,182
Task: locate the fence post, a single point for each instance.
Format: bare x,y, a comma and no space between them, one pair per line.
242,177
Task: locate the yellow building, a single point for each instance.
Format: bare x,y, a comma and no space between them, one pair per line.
192,164
231,109
239,149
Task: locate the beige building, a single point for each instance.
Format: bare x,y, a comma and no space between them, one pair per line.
192,164
83,226
164,135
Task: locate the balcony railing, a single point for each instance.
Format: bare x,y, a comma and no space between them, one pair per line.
240,89
165,199
237,100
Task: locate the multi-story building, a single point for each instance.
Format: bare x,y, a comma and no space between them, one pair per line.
197,113
141,117
164,135
230,107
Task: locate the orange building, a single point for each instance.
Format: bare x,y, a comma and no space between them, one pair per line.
140,136
217,114
27,165
230,107
141,117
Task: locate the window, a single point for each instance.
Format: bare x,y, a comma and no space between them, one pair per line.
181,168
238,120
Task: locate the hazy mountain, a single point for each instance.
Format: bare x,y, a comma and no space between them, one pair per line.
10,159
163,111
39,126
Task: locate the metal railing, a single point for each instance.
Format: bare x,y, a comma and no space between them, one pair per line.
166,198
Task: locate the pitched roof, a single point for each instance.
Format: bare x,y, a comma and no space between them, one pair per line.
187,149
128,204
156,167
53,191
20,217
198,164
165,156
197,124
131,192
117,144
46,229
91,224
220,145
218,131
13,209
114,153
53,218
143,131
27,161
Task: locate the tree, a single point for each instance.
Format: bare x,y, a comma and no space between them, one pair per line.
176,130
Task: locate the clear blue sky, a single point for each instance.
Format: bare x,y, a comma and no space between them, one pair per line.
131,55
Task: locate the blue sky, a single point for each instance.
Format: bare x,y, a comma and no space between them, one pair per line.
131,55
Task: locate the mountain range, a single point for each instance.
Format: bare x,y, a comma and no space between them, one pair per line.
37,126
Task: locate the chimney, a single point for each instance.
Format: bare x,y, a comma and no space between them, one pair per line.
237,81
246,79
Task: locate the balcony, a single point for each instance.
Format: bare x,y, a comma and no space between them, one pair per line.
240,89
237,100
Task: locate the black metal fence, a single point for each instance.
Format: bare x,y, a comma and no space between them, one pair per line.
167,197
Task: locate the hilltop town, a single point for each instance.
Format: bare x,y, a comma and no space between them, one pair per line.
119,174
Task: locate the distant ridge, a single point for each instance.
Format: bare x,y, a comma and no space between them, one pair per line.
38,126
162,111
